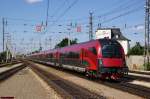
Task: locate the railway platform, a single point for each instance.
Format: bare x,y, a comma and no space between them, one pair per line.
26,85
140,72
6,68
10,63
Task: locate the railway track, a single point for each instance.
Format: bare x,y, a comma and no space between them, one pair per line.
8,73
123,85
136,89
127,87
66,89
133,77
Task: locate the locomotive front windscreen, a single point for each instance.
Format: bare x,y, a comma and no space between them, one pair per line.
111,51
110,48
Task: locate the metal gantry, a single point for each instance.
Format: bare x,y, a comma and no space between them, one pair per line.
3,23
91,26
147,20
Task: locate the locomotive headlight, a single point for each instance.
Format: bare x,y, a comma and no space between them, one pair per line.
100,62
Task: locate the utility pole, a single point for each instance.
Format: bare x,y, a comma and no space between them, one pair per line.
8,46
7,52
69,37
46,42
40,46
146,49
50,42
47,13
91,26
3,23
99,24
69,30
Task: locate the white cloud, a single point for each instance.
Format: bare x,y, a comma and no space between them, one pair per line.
33,1
138,28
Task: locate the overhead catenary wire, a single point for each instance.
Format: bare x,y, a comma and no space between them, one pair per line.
120,8
79,19
113,18
105,21
59,8
123,6
64,12
122,15
124,11
86,18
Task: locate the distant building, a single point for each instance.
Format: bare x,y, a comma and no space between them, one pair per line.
114,33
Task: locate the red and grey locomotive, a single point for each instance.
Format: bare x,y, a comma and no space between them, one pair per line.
102,58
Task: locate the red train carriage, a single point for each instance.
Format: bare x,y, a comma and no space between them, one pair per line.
98,58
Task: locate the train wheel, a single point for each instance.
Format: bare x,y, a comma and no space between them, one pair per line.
91,74
86,73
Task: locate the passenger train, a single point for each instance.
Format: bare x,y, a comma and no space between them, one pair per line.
103,58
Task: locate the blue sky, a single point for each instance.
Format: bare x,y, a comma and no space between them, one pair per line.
24,15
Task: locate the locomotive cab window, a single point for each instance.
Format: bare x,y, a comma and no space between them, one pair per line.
93,50
111,51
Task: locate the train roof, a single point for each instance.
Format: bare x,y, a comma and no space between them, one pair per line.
92,43
75,47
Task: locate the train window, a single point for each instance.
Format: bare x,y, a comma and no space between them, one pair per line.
72,55
62,55
111,51
93,50
50,55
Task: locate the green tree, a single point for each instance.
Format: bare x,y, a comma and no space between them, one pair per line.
147,66
3,56
136,50
64,43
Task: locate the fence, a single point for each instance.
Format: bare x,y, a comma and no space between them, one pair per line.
135,62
